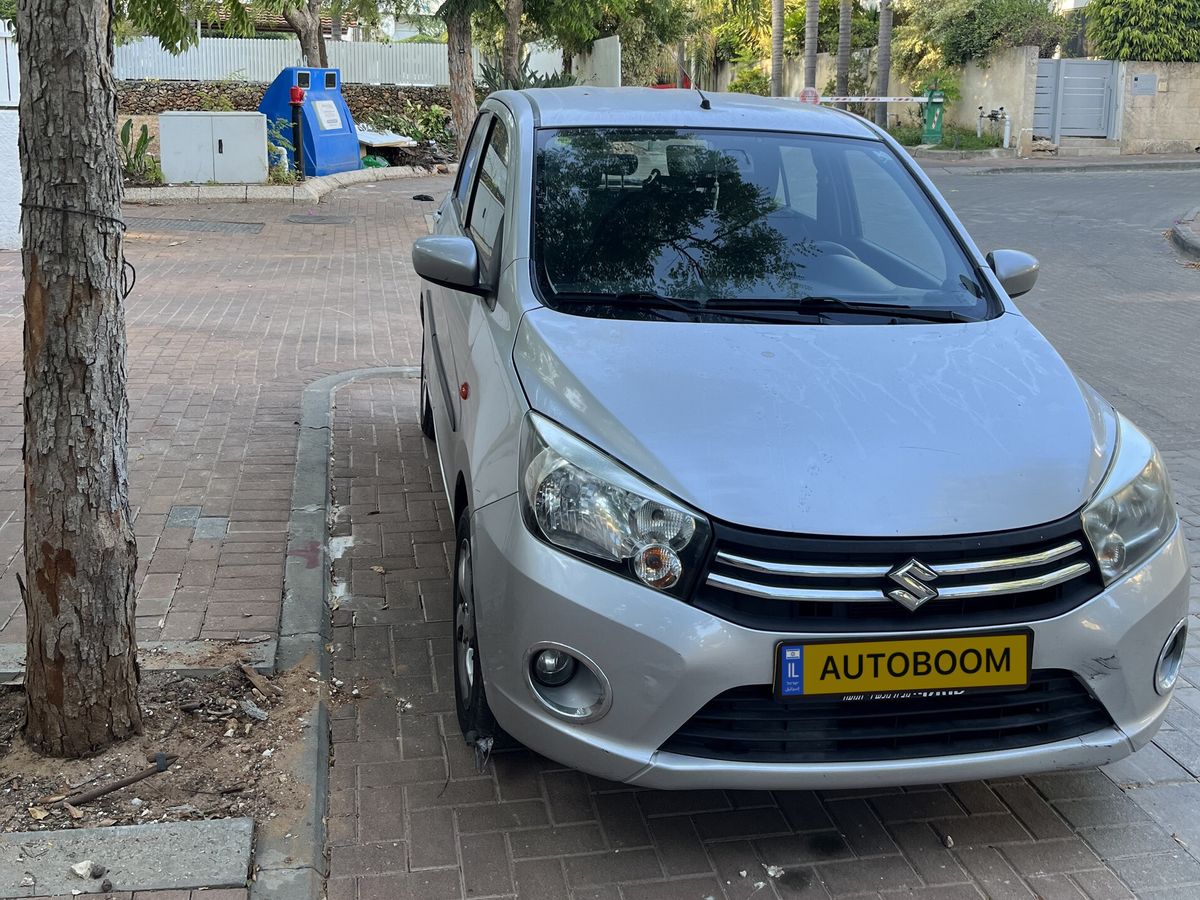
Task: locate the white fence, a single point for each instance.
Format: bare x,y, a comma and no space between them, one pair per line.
10,86
260,59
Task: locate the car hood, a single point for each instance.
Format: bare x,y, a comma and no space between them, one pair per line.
863,430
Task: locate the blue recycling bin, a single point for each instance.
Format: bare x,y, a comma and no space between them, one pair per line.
330,138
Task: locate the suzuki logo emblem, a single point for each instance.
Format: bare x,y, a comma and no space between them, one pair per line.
913,577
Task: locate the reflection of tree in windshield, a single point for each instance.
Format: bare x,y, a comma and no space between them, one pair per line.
692,227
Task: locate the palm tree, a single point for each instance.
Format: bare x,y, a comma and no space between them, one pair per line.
812,12
884,61
843,54
776,48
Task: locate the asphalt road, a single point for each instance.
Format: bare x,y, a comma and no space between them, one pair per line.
1114,296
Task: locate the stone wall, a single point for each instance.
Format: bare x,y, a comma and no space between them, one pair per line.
1008,79
146,98
1167,121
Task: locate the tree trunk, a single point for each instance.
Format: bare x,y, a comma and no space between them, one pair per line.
305,20
843,55
81,673
510,62
776,48
681,65
884,62
462,73
335,22
812,13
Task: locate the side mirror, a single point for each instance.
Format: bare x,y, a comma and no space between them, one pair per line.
450,261
1017,271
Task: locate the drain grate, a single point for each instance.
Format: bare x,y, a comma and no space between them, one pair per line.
166,226
301,219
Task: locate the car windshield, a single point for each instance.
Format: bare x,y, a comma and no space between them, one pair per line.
707,220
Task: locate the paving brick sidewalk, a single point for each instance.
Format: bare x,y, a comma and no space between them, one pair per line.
217,894
226,326
411,817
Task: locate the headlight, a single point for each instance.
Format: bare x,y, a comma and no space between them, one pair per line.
585,502
1133,513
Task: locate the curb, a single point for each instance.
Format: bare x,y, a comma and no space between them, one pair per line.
290,855
1184,234
1171,165
311,190
991,153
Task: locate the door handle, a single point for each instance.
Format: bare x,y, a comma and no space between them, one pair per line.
220,146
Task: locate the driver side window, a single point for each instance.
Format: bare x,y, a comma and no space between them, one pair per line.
470,161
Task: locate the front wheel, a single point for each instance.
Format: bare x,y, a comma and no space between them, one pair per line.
474,715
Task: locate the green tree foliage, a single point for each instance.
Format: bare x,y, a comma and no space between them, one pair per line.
1150,30
963,30
864,27
750,79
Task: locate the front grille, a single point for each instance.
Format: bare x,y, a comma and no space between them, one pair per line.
748,724
779,582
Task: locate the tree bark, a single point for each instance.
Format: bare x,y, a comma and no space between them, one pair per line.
335,22
462,72
884,61
842,78
776,48
511,51
812,15
305,19
81,673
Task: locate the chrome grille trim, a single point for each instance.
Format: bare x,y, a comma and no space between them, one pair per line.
979,567
956,592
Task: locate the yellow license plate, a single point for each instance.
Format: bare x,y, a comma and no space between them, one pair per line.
886,666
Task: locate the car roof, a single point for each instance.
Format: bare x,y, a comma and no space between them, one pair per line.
672,107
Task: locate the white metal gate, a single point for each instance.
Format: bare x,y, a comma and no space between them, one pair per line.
1074,98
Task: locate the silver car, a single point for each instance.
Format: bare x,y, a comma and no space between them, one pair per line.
761,479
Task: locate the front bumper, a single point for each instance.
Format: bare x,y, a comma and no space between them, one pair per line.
664,660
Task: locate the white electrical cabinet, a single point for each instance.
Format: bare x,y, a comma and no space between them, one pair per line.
225,147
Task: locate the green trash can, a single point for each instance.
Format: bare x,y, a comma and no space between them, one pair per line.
934,108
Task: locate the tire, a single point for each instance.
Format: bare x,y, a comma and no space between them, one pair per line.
475,717
426,409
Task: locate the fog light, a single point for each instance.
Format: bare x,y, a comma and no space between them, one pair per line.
1171,658
658,566
567,683
553,667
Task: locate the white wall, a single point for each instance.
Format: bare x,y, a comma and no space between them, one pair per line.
602,66
10,165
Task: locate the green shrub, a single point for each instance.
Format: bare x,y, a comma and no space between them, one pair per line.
137,163
751,79
954,32
494,79
1148,30
421,123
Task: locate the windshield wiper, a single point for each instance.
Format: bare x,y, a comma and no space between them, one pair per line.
822,304
651,300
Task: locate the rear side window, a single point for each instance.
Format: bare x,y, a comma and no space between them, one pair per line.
798,188
889,216
491,190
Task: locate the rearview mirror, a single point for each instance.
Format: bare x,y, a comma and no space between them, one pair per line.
450,261
1017,271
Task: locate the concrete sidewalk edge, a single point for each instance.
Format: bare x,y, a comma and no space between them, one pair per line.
290,855
1117,164
1184,234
